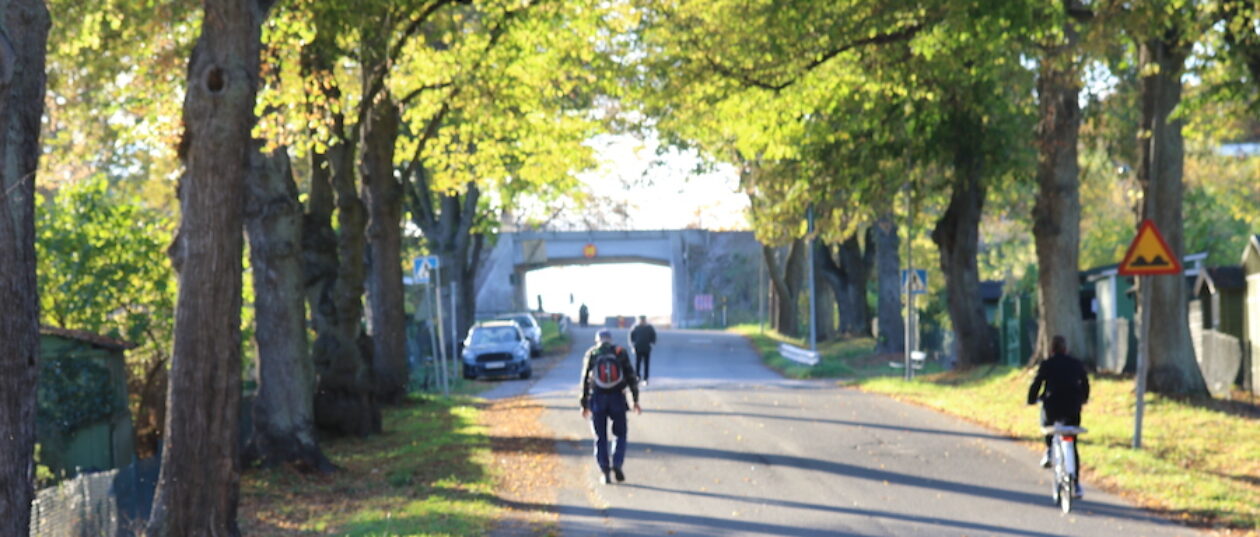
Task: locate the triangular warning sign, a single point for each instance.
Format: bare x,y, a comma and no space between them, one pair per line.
1148,254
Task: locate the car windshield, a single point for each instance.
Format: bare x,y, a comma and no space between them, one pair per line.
494,334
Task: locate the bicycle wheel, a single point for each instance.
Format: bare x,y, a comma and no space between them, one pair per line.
1064,492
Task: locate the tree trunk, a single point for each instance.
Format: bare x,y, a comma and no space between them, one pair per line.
847,272
888,274
1173,369
446,221
334,263
957,235
23,38
786,283
283,410
344,402
199,482
1057,213
383,195
826,295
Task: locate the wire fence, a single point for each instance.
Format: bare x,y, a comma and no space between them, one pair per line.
113,503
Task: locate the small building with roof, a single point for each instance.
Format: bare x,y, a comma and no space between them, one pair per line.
82,418
1251,313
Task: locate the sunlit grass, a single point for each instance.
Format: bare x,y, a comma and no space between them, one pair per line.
425,475
1198,463
842,358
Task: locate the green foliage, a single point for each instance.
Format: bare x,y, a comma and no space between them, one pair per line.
73,392
102,265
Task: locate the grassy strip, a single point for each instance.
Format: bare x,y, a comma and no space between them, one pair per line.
1200,464
553,340
848,358
425,475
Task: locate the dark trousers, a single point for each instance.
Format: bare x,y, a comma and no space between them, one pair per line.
606,407
642,361
1069,415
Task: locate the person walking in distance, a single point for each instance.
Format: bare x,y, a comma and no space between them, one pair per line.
1066,390
642,337
606,374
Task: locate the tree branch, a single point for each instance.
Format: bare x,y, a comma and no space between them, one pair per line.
878,39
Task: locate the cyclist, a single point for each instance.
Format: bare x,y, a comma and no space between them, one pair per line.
1066,389
608,365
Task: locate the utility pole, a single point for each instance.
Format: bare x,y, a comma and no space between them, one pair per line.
809,261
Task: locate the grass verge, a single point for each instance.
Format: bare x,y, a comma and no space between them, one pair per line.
553,340
848,358
425,475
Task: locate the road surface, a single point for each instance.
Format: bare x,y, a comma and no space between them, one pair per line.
725,446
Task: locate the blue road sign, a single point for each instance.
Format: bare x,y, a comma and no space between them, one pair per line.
422,266
917,284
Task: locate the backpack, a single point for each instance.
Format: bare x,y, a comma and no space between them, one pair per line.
606,370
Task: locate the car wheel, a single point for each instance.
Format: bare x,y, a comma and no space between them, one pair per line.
534,352
527,373
468,374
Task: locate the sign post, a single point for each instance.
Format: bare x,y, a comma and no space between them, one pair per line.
421,269
913,282
1148,255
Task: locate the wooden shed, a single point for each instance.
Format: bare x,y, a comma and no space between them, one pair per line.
1221,292
82,418
1251,312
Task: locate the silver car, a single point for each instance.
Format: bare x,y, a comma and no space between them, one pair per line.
496,348
530,327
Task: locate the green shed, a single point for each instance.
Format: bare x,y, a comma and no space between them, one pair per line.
1221,292
82,419
1251,313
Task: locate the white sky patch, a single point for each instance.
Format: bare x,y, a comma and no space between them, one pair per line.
668,190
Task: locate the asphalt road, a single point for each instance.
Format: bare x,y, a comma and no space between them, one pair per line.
725,446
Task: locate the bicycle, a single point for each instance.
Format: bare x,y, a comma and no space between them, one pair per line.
1063,458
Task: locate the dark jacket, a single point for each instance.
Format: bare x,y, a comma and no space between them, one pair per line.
629,380
1066,383
642,336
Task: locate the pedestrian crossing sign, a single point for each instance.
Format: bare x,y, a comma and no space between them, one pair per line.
1148,254
421,267
914,281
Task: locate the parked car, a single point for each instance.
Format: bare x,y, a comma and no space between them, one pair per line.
530,327
496,348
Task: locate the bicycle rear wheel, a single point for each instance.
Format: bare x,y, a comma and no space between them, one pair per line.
1064,493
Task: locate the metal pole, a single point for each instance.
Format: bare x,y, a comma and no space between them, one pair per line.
809,260
1144,358
437,298
454,322
761,295
905,286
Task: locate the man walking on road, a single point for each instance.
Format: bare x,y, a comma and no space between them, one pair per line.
606,373
642,337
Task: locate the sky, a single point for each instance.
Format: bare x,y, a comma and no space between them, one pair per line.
662,192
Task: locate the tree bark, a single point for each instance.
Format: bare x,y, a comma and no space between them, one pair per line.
785,284
1173,369
957,235
198,486
826,296
23,40
344,400
283,410
446,220
888,275
334,261
1057,213
847,272
383,194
